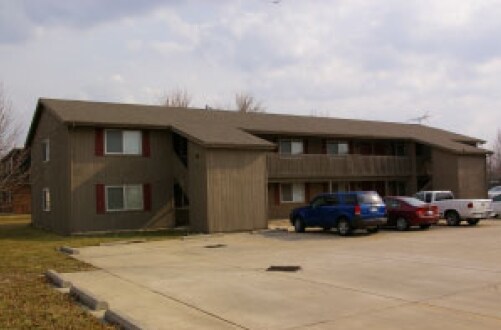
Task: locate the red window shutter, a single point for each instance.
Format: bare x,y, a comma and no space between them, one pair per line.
277,193
147,197
146,144
307,192
324,146
305,146
100,200
99,142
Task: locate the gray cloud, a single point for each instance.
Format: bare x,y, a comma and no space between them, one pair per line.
386,60
18,19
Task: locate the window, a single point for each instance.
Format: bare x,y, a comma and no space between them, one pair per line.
413,201
290,147
292,192
124,198
46,199
121,142
337,148
332,200
420,196
497,198
319,201
369,198
45,150
443,196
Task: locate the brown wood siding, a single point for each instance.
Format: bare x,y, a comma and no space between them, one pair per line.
236,182
197,191
445,171
53,174
327,166
472,178
89,170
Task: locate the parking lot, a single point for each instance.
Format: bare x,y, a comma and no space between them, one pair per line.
444,278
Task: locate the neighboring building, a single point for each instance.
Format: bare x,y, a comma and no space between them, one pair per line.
15,191
104,166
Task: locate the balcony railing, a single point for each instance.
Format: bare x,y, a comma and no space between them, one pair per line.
328,166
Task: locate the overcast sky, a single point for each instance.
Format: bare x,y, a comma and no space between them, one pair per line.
387,60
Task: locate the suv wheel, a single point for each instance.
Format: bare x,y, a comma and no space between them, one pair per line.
473,222
402,224
299,225
452,218
343,227
373,230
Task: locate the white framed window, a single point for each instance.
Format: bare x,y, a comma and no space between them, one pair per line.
124,197
292,192
45,150
337,148
122,142
290,147
46,199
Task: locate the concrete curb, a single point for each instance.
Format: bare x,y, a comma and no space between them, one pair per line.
201,236
68,250
124,322
88,299
134,241
56,279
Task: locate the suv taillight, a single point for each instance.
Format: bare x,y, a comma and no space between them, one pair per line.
470,205
420,212
357,210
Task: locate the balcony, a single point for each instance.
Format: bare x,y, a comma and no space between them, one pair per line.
321,166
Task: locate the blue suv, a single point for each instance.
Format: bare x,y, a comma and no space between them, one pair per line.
345,211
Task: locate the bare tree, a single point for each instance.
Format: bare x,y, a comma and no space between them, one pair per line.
14,162
178,98
8,129
247,103
494,161
319,113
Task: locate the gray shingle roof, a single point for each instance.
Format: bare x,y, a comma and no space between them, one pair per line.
216,128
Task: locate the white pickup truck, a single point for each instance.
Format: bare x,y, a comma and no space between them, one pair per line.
456,210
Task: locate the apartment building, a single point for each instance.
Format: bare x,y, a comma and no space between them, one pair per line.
105,166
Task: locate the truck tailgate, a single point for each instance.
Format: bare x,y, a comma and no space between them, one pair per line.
481,205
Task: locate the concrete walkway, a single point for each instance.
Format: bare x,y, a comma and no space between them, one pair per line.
444,278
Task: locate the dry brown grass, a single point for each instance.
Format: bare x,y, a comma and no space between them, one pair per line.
26,299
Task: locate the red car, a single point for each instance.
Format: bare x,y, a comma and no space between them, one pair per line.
405,212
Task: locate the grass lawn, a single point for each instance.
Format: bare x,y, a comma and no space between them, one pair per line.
26,299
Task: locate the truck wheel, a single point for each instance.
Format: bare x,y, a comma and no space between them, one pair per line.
299,225
452,218
343,227
425,227
373,230
402,224
473,222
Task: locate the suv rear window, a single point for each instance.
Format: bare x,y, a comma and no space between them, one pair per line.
350,199
369,198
